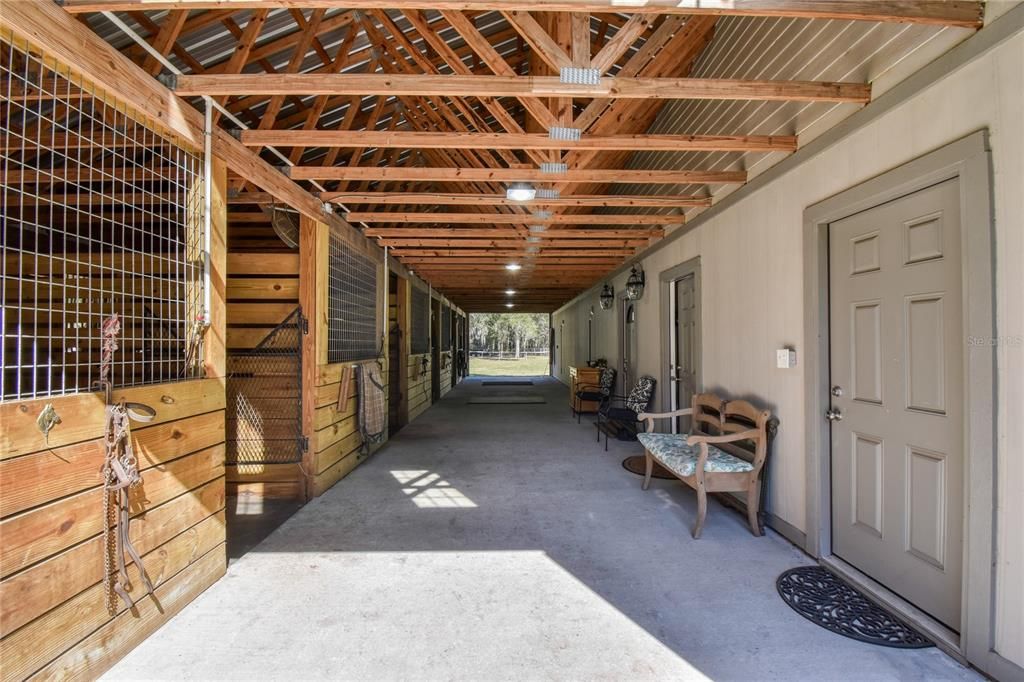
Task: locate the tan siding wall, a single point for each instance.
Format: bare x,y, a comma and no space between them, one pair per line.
759,242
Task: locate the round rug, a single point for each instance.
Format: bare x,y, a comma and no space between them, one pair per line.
636,465
820,596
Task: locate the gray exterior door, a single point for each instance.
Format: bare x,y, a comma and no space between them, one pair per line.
685,356
897,386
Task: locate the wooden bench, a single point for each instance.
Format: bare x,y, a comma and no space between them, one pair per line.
725,451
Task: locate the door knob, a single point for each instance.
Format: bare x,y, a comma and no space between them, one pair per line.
837,391
833,415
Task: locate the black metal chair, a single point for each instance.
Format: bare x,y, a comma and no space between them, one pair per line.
597,393
619,412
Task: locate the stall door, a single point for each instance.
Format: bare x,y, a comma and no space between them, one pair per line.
897,384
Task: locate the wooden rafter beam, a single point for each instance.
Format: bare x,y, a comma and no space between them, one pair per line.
511,219
623,39
516,175
492,253
495,232
51,29
937,12
441,140
504,243
438,199
546,47
483,49
420,85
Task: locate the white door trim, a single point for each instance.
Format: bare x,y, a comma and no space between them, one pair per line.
967,159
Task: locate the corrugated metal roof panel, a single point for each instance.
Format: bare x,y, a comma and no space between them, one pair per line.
783,49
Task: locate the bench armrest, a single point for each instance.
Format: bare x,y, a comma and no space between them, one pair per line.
649,417
749,434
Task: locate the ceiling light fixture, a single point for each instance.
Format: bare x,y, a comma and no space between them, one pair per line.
554,167
548,194
509,305
520,191
513,267
538,228
542,215
510,292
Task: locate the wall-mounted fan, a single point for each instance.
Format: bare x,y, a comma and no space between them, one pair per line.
285,224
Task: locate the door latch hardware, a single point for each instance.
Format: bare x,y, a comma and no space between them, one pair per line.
833,415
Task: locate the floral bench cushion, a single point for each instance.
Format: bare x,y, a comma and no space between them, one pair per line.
672,451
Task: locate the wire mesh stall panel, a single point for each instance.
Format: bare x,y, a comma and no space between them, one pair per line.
264,398
102,227
446,328
419,342
352,303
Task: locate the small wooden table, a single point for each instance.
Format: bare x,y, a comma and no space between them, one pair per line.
583,376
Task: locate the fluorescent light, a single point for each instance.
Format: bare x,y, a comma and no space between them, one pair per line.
513,267
533,239
509,305
510,292
553,167
520,191
538,228
548,194
542,214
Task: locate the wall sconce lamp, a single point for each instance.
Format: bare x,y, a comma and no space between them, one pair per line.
607,297
635,284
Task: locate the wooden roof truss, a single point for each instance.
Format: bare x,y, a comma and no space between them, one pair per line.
416,118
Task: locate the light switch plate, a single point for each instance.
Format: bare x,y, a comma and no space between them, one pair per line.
785,358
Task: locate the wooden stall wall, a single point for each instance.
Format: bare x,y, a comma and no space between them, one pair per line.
330,391
262,291
54,621
446,356
398,354
420,384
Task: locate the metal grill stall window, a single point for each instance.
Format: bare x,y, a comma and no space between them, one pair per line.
352,303
420,341
102,215
446,328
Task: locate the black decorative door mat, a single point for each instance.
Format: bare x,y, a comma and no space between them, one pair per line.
822,597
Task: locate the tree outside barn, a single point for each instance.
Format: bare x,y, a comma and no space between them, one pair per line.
509,343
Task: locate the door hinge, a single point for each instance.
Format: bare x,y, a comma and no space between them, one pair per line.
304,443
304,324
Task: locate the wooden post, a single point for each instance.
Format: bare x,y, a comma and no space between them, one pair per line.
404,348
214,346
313,299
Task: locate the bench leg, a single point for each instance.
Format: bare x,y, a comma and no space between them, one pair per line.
648,470
702,509
753,506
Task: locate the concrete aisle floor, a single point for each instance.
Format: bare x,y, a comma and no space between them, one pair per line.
494,542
